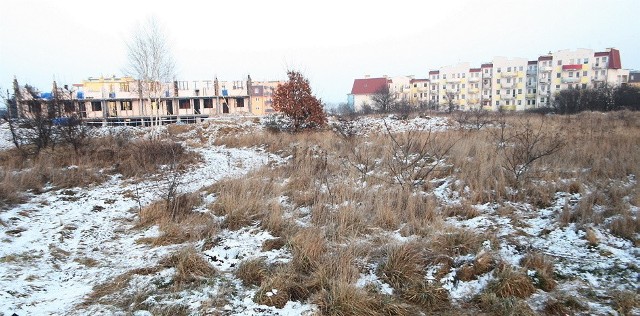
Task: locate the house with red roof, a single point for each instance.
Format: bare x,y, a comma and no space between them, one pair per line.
364,89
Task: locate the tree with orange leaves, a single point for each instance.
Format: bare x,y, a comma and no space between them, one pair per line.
294,99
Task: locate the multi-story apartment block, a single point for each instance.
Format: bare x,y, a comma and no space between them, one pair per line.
400,87
123,100
517,84
419,91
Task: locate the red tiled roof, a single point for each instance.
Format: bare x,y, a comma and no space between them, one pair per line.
474,69
545,58
418,80
600,54
368,86
434,72
532,62
489,65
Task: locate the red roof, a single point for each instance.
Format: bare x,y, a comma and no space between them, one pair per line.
541,58
614,58
474,69
532,62
418,80
368,86
434,72
487,65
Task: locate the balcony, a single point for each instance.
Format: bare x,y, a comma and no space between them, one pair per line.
546,69
507,97
474,90
570,80
544,80
474,101
474,79
508,84
453,80
487,75
598,79
530,96
572,67
599,66
532,72
509,74
454,91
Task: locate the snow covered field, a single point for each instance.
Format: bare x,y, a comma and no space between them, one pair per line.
62,243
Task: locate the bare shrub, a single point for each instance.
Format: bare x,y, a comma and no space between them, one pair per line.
524,144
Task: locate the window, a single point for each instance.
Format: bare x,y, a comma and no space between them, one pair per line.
208,103
519,91
498,92
497,80
96,106
463,86
584,86
183,85
520,80
497,102
126,106
584,73
558,75
570,74
508,69
444,76
508,80
415,85
519,102
559,62
508,91
533,101
557,86
521,68
425,85
463,75
570,86
124,86
499,70
185,104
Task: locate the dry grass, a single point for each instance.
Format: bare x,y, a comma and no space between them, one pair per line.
543,266
404,263
625,302
626,226
483,263
191,267
503,306
307,247
342,299
458,241
252,271
511,282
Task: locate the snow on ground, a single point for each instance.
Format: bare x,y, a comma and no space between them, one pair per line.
61,243
5,136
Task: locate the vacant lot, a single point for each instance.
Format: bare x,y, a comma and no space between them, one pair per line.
459,214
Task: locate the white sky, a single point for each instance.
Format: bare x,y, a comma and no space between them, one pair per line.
332,42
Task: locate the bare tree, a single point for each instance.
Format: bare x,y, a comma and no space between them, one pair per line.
150,62
383,100
450,97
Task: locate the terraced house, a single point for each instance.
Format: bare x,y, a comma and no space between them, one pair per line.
515,84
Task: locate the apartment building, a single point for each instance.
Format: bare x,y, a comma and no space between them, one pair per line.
123,100
363,91
513,84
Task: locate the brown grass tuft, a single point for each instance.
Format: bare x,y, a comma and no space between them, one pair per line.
404,263
483,263
307,247
543,266
252,271
191,267
511,282
625,302
503,306
273,244
427,296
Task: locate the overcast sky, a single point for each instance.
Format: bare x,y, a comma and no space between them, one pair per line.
331,42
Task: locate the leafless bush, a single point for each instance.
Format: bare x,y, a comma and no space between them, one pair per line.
526,143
